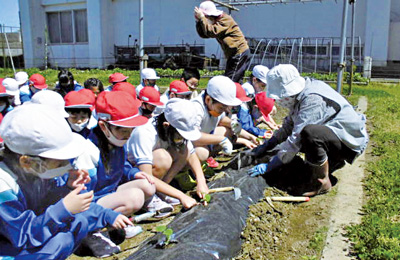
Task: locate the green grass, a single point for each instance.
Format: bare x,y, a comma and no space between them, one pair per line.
378,235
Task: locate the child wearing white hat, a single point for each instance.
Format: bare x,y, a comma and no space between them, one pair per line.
163,147
212,106
40,219
12,88
148,78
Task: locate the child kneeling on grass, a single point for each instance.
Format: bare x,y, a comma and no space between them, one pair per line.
38,218
163,147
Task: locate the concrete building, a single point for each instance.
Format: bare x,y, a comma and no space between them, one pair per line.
84,33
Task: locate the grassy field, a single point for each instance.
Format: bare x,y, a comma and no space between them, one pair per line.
378,236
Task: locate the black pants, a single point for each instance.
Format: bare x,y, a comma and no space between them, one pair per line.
237,65
319,142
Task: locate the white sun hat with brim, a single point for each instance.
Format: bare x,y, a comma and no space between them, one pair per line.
283,81
148,73
12,88
209,8
38,131
179,113
21,77
223,89
260,72
50,98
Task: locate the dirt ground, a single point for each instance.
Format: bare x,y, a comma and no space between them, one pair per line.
307,230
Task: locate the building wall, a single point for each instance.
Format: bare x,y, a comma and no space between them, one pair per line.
110,22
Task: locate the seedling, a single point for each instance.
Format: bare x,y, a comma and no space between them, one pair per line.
206,198
168,232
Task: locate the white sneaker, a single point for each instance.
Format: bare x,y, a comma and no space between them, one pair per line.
132,231
162,208
171,200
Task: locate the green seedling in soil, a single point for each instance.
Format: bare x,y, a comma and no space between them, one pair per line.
207,198
168,232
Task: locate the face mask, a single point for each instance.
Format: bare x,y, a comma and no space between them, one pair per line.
214,113
146,111
78,127
287,102
114,141
2,108
44,173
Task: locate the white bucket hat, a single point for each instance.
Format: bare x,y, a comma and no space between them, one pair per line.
260,72
38,131
148,73
51,99
249,89
209,8
284,80
180,114
223,89
12,88
21,77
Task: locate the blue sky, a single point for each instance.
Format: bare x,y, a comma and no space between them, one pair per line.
9,13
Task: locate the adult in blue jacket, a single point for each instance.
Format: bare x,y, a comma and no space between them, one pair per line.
38,218
321,124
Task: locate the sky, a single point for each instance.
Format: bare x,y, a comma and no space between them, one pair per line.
9,13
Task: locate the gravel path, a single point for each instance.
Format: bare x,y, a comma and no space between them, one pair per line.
347,204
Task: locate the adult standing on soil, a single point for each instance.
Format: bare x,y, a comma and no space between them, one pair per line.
214,23
321,123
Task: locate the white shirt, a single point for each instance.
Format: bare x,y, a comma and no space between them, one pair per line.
139,88
204,121
143,141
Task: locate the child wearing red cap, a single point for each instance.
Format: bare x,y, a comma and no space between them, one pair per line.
79,105
150,98
36,83
114,188
177,89
114,79
244,113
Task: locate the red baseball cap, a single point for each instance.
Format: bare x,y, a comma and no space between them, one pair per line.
38,81
179,87
117,77
83,98
3,91
264,103
241,93
118,109
127,88
150,95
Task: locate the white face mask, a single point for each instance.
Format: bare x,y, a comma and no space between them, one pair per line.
44,173
2,108
113,140
78,127
287,102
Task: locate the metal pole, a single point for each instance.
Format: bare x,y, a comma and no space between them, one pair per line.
330,55
2,47
353,20
9,51
316,55
141,47
342,65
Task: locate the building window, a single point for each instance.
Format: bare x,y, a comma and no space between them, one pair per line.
67,26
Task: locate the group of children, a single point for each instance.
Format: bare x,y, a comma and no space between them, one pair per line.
78,158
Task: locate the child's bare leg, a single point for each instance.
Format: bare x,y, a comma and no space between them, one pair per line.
125,200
